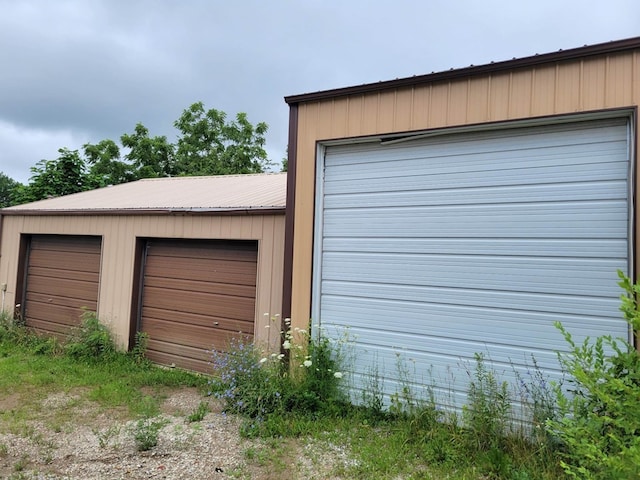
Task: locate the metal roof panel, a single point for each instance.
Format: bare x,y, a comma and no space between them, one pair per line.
190,194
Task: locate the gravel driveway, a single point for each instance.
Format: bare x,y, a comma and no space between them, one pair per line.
75,439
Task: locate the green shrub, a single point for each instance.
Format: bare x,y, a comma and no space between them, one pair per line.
599,425
90,341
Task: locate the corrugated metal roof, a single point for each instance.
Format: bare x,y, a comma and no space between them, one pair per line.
181,194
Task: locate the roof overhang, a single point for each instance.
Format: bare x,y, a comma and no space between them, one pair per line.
136,212
608,48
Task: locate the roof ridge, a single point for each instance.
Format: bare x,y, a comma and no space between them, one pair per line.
195,177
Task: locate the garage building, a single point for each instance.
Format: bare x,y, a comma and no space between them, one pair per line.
191,261
435,217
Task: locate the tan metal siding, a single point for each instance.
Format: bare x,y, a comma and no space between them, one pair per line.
118,250
543,90
404,103
457,111
520,94
10,243
369,114
421,106
478,100
594,83
439,106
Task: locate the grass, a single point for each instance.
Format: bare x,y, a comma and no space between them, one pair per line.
352,446
116,381
335,441
413,438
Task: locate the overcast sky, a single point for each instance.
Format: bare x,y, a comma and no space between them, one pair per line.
79,71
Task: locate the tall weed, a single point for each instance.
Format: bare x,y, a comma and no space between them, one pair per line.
487,415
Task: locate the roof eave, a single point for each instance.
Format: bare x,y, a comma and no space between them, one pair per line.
612,47
273,210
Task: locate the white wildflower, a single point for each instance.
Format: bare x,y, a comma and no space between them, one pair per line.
337,374
286,345
307,363
264,359
281,356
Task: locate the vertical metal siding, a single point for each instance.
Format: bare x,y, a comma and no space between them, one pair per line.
433,250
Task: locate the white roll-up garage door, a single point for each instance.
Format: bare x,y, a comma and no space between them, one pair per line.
431,250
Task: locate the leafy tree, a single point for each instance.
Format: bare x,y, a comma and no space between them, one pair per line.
105,166
52,178
8,187
210,145
207,144
149,157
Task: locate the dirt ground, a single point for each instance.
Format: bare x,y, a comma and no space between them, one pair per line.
73,438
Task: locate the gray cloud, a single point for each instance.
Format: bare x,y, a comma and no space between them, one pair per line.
77,71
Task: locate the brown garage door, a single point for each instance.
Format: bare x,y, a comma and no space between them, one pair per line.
195,295
62,279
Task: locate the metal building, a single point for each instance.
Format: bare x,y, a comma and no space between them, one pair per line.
191,261
462,212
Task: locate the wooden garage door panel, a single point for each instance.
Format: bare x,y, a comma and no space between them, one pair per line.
58,330
221,323
61,287
201,303
195,336
75,303
235,272
62,281
44,312
62,243
196,294
91,276
205,287
202,250
184,357
60,260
